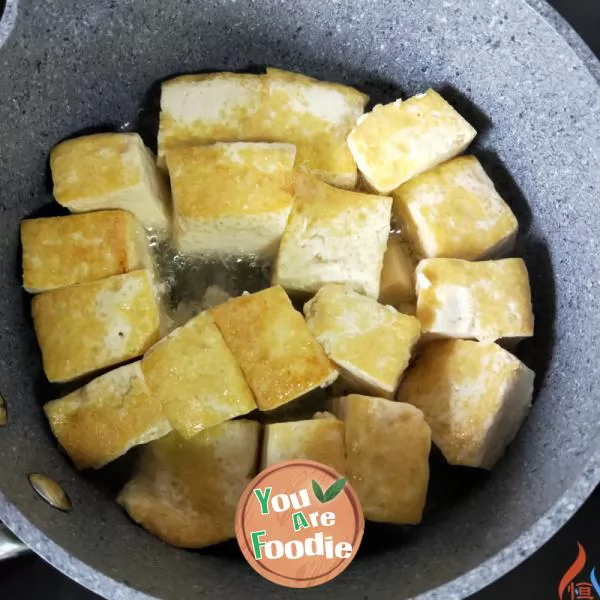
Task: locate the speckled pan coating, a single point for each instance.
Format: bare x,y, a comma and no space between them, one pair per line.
515,70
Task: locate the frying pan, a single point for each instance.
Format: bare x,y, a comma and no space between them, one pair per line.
521,77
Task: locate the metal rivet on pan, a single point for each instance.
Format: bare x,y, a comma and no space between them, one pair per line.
3,414
50,491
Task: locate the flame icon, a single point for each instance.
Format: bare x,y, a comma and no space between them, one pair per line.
574,570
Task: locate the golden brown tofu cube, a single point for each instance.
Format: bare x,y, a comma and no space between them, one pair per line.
110,170
474,396
397,141
333,236
105,418
86,327
231,199
319,439
454,211
370,343
317,117
196,378
273,345
62,251
387,462
487,300
211,107
280,106
397,285
186,491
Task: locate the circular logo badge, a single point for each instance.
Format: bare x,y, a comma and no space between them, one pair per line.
299,523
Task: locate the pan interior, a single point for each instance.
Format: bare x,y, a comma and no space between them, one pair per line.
82,67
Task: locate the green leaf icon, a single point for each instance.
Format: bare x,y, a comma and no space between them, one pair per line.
334,489
318,491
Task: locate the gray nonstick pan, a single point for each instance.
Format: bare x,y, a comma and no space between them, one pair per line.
518,74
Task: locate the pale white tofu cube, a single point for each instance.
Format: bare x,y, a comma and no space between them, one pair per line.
475,397
333,236
387,457
486,301
231,199
370,343
454,211
397,141
186,491
111,170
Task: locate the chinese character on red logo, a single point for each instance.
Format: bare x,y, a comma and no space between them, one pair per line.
580,591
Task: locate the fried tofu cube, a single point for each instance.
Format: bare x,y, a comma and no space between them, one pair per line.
196,378
186,491
370,343
231,199
105,418
397,141
110,170
213,107
62,251
397,284
270,340
387,457
333,236
317,117
487,300
319,439
86,327
454,211
280,106
475,397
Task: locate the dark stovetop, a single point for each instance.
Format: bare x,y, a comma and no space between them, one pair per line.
29,577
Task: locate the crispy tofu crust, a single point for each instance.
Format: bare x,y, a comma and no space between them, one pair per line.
110,170
87,327
454,211
370,343
397,141
333,236
62,251
486,300
474,397
274,347
105,418
316,439
195,377
279,106
387,461
231,198
186,492
317,117
212,107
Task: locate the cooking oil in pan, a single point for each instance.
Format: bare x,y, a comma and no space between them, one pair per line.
190,284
